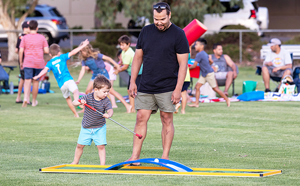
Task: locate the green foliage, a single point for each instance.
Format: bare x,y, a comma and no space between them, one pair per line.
230,42
183,11
106,42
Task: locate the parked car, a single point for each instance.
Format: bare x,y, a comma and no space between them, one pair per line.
50,22
251,16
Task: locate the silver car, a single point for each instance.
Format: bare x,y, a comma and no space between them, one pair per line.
50,22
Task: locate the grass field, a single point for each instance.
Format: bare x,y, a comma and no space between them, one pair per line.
248,135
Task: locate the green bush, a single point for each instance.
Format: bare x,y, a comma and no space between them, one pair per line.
110,38
109,50
230,42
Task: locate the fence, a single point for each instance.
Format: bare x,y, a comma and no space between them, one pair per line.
71,32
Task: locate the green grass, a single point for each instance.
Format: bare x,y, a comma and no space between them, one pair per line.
254,135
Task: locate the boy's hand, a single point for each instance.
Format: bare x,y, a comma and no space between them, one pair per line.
106,115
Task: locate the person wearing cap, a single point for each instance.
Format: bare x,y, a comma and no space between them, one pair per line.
278,63
26,30
163,50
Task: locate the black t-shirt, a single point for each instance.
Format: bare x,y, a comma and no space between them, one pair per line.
0,55
19,42
160,64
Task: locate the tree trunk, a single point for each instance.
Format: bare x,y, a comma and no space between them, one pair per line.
12,41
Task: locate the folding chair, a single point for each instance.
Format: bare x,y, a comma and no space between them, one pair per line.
222,82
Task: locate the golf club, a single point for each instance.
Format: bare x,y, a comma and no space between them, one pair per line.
138,135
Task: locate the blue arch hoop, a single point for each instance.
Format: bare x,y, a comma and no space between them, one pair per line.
177,167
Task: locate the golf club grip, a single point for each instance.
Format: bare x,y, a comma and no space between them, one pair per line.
88,105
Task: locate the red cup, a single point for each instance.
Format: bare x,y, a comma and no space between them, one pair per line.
194,30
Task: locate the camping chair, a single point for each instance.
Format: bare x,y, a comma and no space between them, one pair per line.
275,80
221,82
4,78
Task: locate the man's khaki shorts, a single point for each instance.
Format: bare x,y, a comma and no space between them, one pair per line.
210,78
279,73
154,102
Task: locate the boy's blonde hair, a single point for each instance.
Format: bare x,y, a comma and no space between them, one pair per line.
101,81
91,52
54,49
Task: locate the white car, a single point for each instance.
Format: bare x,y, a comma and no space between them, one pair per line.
251,16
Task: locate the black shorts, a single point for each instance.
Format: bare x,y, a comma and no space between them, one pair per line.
22,76
137,81
185,86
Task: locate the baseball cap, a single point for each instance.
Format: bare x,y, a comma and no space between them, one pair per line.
25,24
274,41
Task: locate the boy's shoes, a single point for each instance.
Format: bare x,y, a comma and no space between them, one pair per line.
267,90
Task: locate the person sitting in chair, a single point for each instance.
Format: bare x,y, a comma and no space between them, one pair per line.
222,62
278,63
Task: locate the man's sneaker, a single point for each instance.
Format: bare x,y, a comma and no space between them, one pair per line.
267,90
276,90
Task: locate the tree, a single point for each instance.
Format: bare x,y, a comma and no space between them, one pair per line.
9,9
183,11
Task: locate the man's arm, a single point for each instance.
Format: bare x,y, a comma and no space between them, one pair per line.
135,68
21,52
231,64
46,50
182,61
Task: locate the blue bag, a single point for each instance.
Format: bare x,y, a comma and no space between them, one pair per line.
251,96
3,74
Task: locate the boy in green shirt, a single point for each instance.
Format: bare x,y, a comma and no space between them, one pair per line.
127,58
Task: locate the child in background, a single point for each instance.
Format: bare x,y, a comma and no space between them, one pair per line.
93,124
58,64
94,61
184,94
112,78
127,57
207,73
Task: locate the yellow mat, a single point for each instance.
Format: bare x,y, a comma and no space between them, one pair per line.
144,170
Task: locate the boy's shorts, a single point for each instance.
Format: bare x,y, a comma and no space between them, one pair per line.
185,86
29,73
86,136
68,86
102,72
210,78
154,102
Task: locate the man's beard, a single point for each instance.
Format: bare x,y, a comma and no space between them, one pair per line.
164,27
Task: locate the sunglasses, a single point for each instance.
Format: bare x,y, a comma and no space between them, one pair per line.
161,7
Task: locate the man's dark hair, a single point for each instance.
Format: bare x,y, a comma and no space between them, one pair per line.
202,41
124,39
216,45
162,4
33,24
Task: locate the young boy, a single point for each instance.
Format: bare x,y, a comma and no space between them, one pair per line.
58,64
127,57
93,124
26,30
207,72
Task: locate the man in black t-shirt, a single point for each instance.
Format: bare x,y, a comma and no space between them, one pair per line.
163,49
26,30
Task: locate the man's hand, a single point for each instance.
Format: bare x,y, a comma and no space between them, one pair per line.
133,90
234,74
21,66
176,95
268,63
77,82
35,77
276,69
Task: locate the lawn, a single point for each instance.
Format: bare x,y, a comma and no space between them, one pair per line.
248,135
